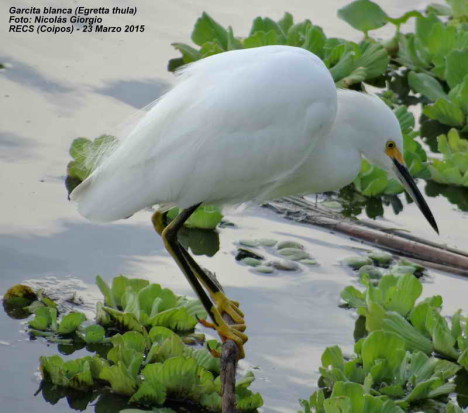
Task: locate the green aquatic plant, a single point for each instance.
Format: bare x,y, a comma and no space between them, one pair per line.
453,168
135,304
205,217
391,305
350,63
149,370
150,354
407,356
436,54
385,369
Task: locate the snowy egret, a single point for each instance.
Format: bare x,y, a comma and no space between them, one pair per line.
253,124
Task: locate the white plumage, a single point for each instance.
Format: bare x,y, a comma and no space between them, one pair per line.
250,124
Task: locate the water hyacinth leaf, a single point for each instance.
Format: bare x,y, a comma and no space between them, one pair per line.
459,95
176,319
294,254
414,340
264,269
106,292
172,346
151,390
127,321
266,25
119,379
75,374
205,217
289,244
426,85
383,345
45,318
456,67
333,356
357,262
381,258
252,262
402,297
207,29
446,112
204,359
353,297
94,333
374,58
353,393
363,15
286,22
153,293
70,323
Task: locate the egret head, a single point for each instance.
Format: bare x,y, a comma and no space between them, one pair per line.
377,133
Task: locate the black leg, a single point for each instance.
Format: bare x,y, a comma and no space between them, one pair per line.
199,279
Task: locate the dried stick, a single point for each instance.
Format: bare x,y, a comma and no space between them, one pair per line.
229,355
435,255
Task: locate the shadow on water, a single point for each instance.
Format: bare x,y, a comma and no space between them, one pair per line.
107,248
14,147
29,76
136,93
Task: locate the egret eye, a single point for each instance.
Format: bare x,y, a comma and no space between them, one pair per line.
391,145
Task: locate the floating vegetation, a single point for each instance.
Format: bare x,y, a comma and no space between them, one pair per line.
290,253
149,351
453,169
408,357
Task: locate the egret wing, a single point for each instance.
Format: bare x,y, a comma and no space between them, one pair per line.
234,126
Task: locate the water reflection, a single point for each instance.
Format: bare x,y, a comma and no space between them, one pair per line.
456,195
14,147
136,93
29,76
200,241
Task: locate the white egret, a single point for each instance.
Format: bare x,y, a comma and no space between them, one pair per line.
253,124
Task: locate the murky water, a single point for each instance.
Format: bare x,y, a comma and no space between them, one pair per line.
60,87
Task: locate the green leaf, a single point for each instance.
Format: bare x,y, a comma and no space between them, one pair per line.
426,85
353,392
286,22
70,323
353,297
94,334
402,297
205,217
332,356
119,379
189,54
267,25
414,340
207,29
385,346
445,112
459,8
363,15
45,318
456,67
259,39
106,292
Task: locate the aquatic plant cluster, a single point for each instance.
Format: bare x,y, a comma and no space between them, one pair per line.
432,63
408,357
144,343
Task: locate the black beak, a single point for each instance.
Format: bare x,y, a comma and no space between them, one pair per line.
410,186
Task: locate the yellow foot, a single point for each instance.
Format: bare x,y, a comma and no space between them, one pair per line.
226,332
226,306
